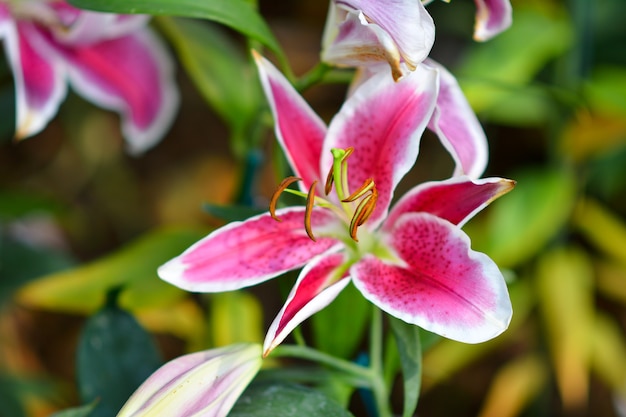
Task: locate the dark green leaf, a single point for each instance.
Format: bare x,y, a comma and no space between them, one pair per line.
338,329
82,411
239,15
115,355
285,400
20,263
221,72
408,343
231,213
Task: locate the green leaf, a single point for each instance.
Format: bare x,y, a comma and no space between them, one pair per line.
285,400
239,15
235,316
115,355
338,329
520,224
15,204
83,289
223,75
408,342
21,263
493,73
82,411
565,290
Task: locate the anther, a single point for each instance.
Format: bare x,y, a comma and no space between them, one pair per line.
367,186
363,212
310,199
279,190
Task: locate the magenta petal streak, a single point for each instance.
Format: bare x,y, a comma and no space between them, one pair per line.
456,200
318,285
298,129
247,253
445,287
383,121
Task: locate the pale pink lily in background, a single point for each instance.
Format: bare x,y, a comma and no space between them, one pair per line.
115,61
366,33
359,32
206,383
492,17
412,261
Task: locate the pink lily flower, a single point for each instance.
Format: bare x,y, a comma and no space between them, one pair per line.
412,261
206,383
359,32
112,60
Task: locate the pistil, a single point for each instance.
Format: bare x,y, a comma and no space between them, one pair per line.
337,176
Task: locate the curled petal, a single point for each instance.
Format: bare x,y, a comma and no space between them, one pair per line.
39,78
444,286
364,32
298,129
205,383
456,200
83,27
384,122
241,254
492,17
457,126
133,75
319,283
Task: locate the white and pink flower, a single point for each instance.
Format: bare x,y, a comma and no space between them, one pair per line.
112,60
206,383
412,261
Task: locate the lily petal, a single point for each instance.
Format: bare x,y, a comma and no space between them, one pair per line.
84,27
205,383
492,17
319,283
299,129
383,121
246,253
456,200
445,287
39,77
457,126
133,75
362,32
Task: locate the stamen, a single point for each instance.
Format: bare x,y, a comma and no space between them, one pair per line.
363,212
310,199
279,190
329,181
367,186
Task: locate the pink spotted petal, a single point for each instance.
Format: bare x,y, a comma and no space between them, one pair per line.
39,77
457,126
319,283
383,121
443,287
362,32
456,200
133,75
242,254
299,130
492,17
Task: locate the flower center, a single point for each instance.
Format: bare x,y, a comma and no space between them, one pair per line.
357,206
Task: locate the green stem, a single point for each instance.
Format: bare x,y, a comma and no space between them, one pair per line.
305,352
314,76
379,389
